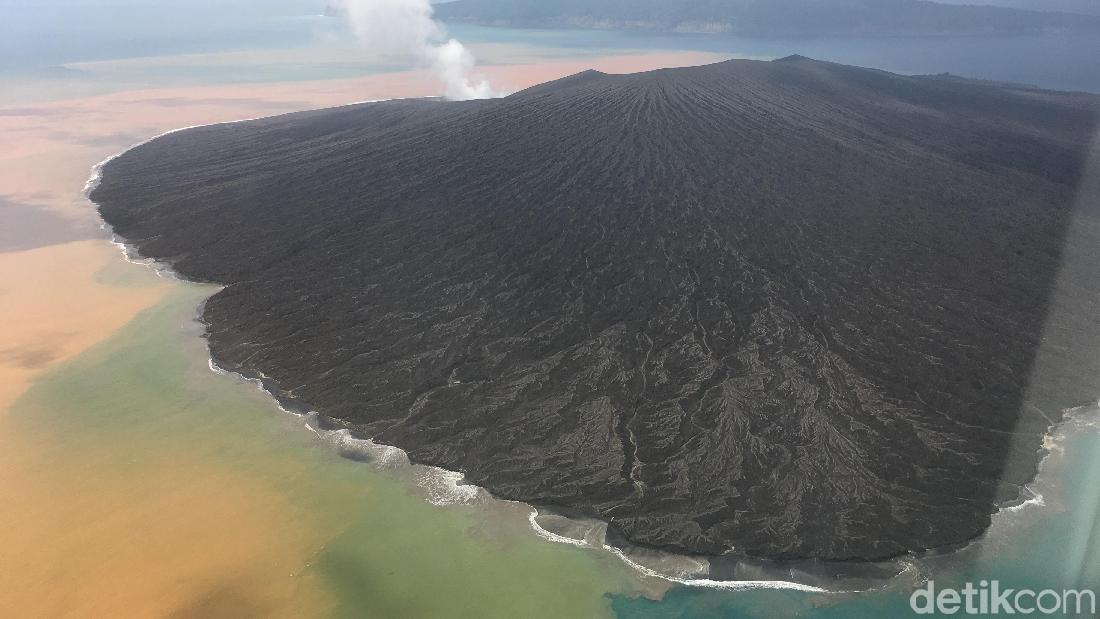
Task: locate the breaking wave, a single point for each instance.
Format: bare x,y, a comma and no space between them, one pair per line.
443,487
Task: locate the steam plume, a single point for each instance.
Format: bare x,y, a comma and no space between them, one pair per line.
406,28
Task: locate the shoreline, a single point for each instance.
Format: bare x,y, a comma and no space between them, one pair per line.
444,487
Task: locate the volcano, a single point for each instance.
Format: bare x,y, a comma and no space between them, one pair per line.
791,309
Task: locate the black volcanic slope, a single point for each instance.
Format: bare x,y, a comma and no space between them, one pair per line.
786,307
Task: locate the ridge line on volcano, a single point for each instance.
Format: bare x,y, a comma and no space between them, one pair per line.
832,282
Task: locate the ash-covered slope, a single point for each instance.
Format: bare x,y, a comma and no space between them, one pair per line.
787,307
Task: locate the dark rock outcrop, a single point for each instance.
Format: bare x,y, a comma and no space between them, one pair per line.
787,307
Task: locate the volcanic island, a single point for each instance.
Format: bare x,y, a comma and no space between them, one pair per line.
791,309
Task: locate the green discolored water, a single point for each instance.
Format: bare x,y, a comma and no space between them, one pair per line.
146,401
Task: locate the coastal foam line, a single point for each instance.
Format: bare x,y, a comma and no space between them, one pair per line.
686,580
728,585
442,487
1074,421
97,170
130,253
532,518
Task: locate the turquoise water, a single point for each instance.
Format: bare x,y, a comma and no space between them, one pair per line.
1053,546
145,401
1056,547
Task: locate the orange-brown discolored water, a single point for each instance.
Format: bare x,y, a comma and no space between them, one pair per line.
124,494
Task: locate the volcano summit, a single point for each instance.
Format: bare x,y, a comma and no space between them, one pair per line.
788,308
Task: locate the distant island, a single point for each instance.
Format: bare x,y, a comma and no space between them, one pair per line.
788,309
767,17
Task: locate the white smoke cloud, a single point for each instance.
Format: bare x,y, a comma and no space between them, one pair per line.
405,28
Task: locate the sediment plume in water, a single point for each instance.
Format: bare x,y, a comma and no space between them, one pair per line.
787,309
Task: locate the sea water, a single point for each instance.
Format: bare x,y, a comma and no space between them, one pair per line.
1056,61
1055,545
90,46
389,538
144,410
